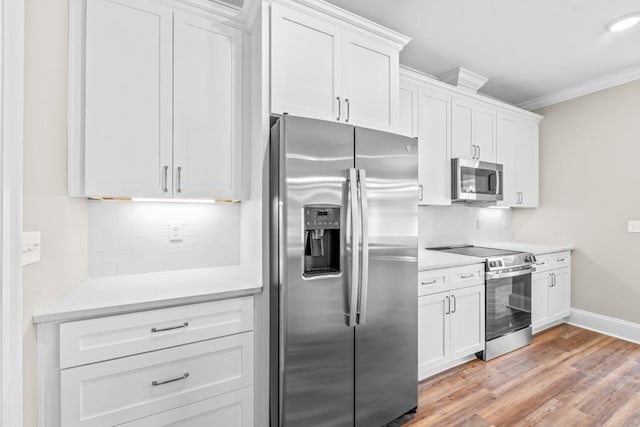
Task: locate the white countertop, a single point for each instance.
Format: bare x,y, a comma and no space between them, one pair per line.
104,296
534,248
431,260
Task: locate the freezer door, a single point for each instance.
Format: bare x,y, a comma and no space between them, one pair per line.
386,352
315,344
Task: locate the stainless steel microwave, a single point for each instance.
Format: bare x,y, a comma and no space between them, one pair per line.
475,181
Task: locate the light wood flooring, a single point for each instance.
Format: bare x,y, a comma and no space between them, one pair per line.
567,377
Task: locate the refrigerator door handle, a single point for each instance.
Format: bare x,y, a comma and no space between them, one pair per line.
352,182
364,249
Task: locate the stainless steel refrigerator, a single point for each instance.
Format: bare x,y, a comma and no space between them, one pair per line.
344,272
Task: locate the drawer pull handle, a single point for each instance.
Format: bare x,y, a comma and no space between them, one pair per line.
156,383
560,260
430,282
466,276
540,263
170,328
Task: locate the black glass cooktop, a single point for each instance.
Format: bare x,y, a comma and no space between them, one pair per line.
476,251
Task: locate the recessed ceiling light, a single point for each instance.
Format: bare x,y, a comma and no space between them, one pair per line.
624,22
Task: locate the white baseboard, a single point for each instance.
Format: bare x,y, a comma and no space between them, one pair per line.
611,326
422,376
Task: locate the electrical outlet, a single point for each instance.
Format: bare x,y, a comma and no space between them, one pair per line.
633,226
30,247
175,232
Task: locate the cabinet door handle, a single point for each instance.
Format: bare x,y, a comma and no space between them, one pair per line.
421,192
339,108
430,282
172,380
348,110
479,151
455,305
179,189
555,280
473,151
170,328
165,177
448,306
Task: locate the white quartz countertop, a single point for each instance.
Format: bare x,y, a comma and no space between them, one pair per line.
534,248
431,260
105,296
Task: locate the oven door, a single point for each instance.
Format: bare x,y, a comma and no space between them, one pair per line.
473,180
508,303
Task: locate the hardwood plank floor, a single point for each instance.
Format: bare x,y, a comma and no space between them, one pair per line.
568,376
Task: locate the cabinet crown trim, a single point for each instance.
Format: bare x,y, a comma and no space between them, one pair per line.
397,39
420,78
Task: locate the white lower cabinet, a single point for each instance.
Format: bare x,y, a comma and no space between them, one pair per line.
551,290
190,365
450,323
233,409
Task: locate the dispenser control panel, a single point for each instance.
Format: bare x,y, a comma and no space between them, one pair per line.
322,218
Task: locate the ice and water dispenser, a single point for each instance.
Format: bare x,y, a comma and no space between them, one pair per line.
321,240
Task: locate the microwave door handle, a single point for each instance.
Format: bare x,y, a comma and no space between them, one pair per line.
355,242
498,173
364,249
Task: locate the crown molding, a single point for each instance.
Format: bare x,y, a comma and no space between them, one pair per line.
328,9
620,77
419,78
464,79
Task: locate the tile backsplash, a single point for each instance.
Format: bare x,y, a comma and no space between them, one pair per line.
459,224
131,237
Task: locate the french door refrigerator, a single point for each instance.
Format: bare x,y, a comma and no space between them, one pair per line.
344,272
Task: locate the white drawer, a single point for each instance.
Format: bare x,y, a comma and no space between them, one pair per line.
471,275
548,262
433,281
562,259
122,390
105,338
233,409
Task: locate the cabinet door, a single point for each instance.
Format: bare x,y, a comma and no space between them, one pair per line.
433,332
306,65
370,82
485,133
128,98
560,294
408,110
540,283
467,321
462,144
207,96
434,137
506,156
527,164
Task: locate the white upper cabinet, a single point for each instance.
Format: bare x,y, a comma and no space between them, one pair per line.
506,156
161,103
473,130
370,82
408,108
128,98
527,164
207,75
326,68
434,138
306,65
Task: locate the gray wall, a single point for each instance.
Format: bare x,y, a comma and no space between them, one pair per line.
589,188
61,219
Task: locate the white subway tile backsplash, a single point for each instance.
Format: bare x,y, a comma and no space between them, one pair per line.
460,224
129,237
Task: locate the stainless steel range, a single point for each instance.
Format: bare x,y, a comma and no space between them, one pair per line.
507,297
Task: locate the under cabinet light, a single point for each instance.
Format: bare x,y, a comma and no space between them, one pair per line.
624,22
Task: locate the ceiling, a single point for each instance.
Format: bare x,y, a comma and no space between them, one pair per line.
527,48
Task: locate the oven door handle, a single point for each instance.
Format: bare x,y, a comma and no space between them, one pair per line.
496,275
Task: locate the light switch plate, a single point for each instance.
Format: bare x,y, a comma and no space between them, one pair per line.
633,226
175,232
30,247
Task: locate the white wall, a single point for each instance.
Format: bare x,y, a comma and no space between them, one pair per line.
62,220
133,237
460,224
589,180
